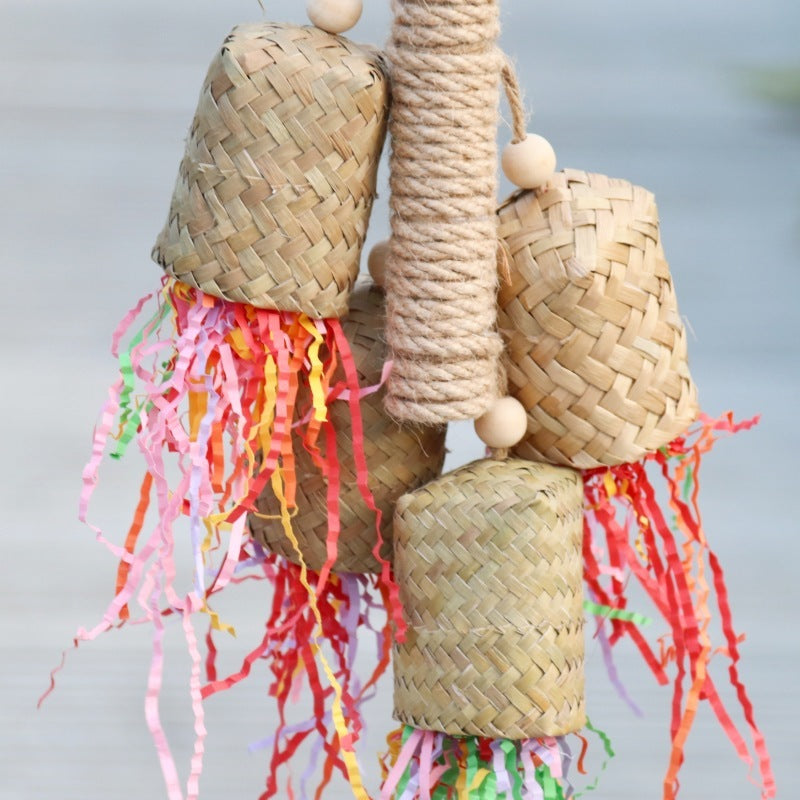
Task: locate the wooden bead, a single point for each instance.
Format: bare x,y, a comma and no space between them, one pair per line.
530,163
334,16
503,425
376,262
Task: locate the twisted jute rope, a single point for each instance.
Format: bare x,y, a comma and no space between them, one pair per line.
442,269
516,104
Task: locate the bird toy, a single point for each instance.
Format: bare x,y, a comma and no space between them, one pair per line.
292,422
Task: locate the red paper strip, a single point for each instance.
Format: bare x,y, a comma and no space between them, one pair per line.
671,563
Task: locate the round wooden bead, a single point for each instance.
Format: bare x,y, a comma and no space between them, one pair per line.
334,16
503,425
530,163
376,262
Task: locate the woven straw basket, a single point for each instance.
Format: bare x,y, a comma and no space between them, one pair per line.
273,196
488,560
596,349
398,458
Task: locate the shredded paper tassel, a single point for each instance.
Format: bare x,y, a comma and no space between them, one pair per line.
627,535
426,765
208,389
345,605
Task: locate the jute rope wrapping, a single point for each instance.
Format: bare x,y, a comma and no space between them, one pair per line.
441,274
273,196
488,560
399,459
596,348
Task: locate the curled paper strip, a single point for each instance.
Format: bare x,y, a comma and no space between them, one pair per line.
675,564
205,385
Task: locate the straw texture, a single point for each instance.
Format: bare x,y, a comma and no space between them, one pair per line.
596,348
273,196
399,459
488,560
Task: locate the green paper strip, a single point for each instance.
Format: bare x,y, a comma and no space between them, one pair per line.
403,782
512,767
604,738
597,610
447,783
472,767
688,484
550,786
609,750
130,418
488,787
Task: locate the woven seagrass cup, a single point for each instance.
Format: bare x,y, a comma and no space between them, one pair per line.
489,564
274,193
399,458
595,347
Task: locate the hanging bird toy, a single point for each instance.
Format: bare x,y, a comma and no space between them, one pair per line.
292,423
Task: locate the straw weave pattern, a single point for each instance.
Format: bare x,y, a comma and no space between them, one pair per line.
441,273
488,560
596,348
273,196
399,459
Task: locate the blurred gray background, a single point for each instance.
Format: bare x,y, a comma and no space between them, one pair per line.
699,100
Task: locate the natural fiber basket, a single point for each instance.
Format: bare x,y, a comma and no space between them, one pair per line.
273,196
596,348
399,458
488,560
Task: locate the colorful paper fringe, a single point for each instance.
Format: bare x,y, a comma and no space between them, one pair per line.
627,534
426,765
216,385
346,605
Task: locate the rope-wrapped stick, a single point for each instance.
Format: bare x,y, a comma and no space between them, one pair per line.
442,267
